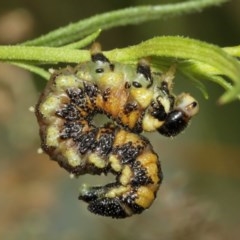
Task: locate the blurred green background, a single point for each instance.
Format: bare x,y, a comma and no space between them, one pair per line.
200,195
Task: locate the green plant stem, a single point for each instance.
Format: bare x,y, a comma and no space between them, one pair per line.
84,42
44,54
128,16
198,58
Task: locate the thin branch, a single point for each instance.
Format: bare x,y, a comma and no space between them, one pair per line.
128,16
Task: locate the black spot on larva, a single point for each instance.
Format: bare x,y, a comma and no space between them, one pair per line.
104,144
129,200
99,70
146,71
91,90
112,67
78,97
158,111
164,88
194,104
111,207
137,84
127,85
140,175
106,94
127,153
129,107
69,112
92,193
71,130
172,101
86,141
75,94
99,57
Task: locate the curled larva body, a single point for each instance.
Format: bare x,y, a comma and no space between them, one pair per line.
136,100
64,112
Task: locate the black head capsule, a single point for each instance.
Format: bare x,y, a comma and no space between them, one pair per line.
177,119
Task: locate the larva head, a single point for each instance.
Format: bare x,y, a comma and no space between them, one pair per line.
176,121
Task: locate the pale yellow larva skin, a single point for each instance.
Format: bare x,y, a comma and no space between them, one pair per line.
73,157
150,123
142,96
63,82
115,163
49,106
96,160
115,192
52,136
126,175
53,125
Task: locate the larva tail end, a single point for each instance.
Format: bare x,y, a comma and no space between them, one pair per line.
109,207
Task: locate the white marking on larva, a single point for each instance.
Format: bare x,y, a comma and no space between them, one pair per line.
39,151
31,109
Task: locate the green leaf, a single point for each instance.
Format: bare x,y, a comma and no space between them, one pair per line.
84,42
234,51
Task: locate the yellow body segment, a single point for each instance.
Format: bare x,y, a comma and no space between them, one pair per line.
126,175
96,160
52,136
118,191
145,197
49,106
142,96
150,163
73,157
115,163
